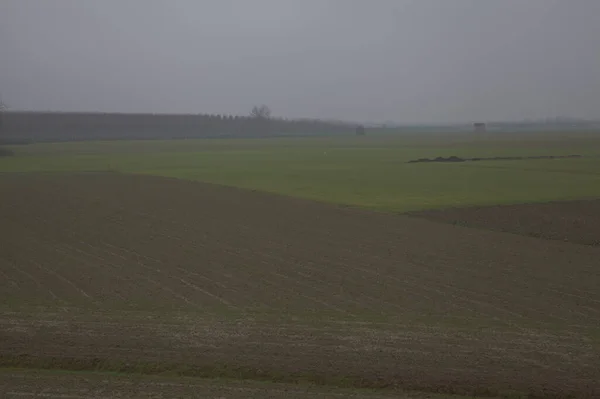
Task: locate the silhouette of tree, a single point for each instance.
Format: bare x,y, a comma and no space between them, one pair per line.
260,112
3,107
3,151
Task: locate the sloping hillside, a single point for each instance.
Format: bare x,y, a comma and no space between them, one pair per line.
137,273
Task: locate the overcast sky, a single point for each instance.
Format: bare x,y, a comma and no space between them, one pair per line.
367,60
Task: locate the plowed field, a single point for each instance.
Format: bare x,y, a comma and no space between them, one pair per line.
146,274
570,221
53,385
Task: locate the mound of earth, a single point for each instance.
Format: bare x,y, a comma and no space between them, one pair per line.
569,221
458,159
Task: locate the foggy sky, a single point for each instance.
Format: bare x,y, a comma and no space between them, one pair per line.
358,60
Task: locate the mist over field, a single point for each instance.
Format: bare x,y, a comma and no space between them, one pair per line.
300,198
388,60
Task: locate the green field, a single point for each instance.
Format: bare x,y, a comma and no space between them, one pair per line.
369,172
259,295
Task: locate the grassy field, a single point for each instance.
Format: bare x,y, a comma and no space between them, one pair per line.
154,276
368,172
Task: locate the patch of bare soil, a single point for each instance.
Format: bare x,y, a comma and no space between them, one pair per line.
53,385
569,221
151,275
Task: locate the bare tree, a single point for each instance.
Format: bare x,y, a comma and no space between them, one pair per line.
260,112
3,151
3,107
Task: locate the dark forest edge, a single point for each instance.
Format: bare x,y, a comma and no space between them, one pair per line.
24,127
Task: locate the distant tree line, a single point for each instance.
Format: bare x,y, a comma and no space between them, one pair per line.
54,126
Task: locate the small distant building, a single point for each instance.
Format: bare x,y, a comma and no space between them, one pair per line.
479,127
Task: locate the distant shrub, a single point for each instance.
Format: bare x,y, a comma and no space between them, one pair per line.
15,141
5,152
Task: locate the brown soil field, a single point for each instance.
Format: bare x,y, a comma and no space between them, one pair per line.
569,221
61,385
153,275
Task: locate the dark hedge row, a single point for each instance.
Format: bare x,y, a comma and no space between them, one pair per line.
38,126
